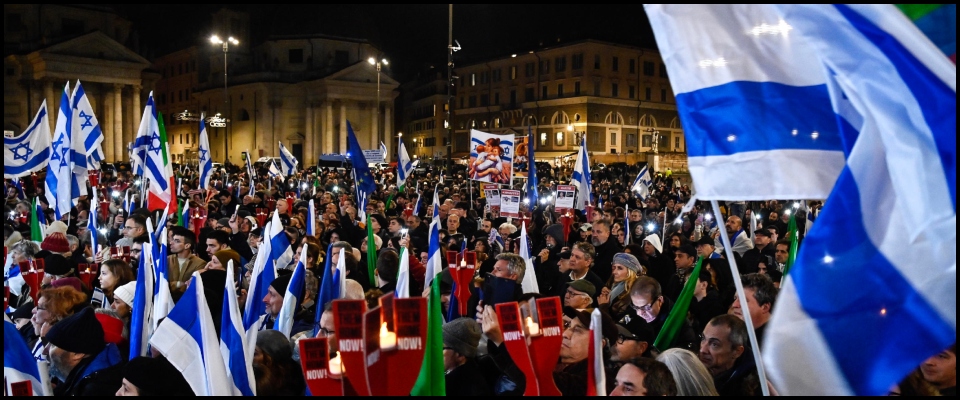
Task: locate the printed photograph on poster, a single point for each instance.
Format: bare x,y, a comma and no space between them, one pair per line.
491,157
565,197
492,193
521,161
510,203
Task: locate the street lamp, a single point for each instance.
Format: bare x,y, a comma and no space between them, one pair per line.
226,48
378,63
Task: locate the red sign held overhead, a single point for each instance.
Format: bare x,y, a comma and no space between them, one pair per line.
349,326
410,325
315,360
508,314
545,342
376,376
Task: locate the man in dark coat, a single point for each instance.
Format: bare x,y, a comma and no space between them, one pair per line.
726,353
651,305
81,359
606,246
463,373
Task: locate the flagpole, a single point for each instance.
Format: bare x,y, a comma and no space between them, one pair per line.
743,300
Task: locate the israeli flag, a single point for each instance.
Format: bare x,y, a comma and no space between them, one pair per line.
188,340
234,348
287,161
529,283
383,150
642,184
263,273
274,171
59,186
141,320
18,362
280,253
163,299
293,296
402,290
881,99
203,155
311,218
12,277
581,178
149,155
404,166
434,262
29,152
86,136
626,225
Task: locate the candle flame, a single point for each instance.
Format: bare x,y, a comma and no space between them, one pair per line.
383,329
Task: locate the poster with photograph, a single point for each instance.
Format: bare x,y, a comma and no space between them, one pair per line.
521,161
565,197
492,193
491,157
510,203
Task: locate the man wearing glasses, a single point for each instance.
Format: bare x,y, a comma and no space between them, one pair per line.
648,302
634,341
578,295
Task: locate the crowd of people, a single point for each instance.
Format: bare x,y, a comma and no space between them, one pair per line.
627,256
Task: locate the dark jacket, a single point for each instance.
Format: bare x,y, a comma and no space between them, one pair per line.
704,310
741,380
466,380
603,263
686,338
100,375
560,289
548,272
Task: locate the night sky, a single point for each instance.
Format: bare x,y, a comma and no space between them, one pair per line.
412,36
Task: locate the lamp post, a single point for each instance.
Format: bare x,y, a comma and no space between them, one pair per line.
226,48
399,140
378,63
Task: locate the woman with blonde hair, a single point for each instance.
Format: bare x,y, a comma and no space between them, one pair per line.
615,295
691,376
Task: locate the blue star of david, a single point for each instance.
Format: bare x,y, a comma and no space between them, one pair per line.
155,139
63,156
25,156
55,155
86,119
203,154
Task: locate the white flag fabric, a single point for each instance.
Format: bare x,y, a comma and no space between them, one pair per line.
643,182
234,348
873,106
263,274
404,165
280,252
29,152
203,155
293,296
434,262
86,137
402,290
188,340
60,187
18,363
148,154
287,161
163,299
529,283
581,178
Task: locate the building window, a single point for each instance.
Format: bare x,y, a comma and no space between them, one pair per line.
647,141
528,94
473,79
576,88
663,95
484,100
648,67
676,143
559,141
513,72
647,94
496,99
560,90
545,66
295,56
513,97
614,90
543,94
663,70
633,90
576,62
596,61
633,66
472,101
631,140
497,75
543,138
560,64
613,138
529,70
616,64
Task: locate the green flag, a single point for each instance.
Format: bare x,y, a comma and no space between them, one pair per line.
794,243
371,254
180,221
36,231
431,381
679,313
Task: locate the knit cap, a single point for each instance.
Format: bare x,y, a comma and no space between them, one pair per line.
463,336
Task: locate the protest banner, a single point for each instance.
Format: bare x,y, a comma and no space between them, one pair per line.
491,157
510,203
564,199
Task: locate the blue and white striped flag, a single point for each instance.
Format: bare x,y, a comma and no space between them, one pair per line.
29,152
529,283
149,156
626,225
61,187
86,136
141,320
642,184
188,340
859,81
236,351
162,298
280,253
18,363
311,218
203,155
287,161
383,150
263,273
434,262
404,165
581,178
293,296
273,170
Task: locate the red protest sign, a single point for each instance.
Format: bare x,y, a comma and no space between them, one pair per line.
349,326
545,344
376,336
508,314
410,325
315,360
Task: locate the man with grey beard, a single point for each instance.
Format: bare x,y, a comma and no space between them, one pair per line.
606,247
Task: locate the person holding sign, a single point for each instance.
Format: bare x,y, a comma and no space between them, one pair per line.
463,374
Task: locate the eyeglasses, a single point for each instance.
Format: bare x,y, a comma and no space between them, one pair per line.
647,308
623,338
325,332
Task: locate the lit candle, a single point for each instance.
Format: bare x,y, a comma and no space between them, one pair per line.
388,340
463,263
335,366
533,328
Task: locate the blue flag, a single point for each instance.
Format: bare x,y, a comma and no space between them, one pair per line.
293,296
361,173
141,311
532,182
263,273
233,341
18,362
